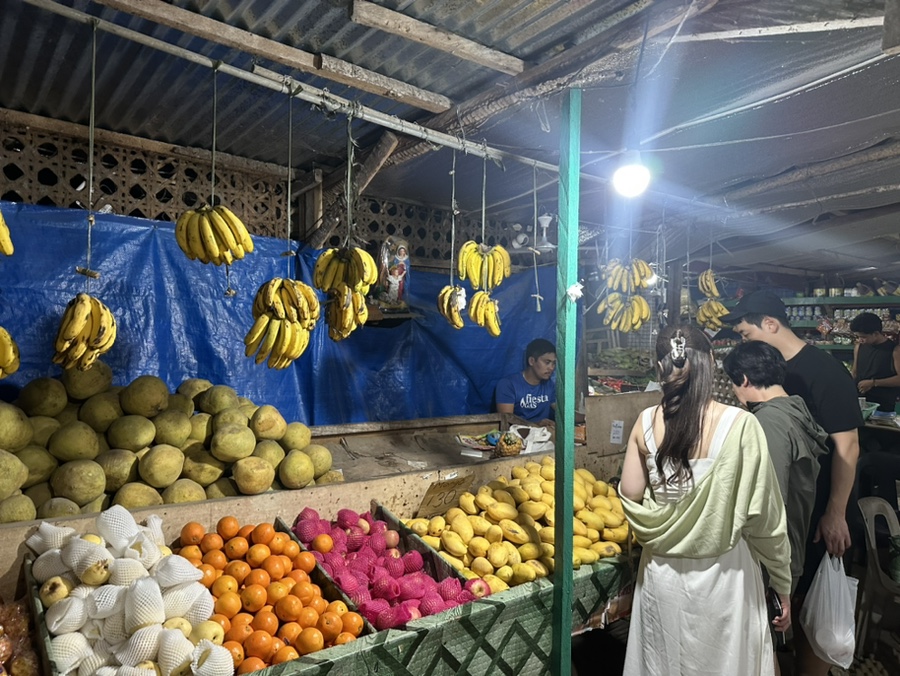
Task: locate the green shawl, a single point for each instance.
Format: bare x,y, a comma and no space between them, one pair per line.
737,497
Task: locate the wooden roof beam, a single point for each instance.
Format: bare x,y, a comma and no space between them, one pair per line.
320,65
395,23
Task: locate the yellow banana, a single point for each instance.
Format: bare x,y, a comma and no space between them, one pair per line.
181,233
208,238
465,251
312,300
80,316
195,242
6,245
256,334
237,227
492,318
282,343
359,307
224,236
268,341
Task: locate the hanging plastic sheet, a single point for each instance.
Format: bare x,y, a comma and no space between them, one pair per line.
175,321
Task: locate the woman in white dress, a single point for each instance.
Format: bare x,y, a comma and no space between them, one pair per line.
702,497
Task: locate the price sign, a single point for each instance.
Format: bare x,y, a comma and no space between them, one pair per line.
616,431
442,495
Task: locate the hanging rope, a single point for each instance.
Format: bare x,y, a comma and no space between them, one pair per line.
453,212
87,271
483,197
287,233
534,254
348,187
212,195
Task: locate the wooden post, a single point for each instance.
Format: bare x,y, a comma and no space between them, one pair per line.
566,323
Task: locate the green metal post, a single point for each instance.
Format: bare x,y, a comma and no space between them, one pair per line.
566,352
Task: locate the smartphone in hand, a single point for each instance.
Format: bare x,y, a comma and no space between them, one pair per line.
773,602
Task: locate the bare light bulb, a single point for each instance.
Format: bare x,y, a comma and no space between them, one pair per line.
631,178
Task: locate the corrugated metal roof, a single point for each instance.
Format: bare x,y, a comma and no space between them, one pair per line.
714,116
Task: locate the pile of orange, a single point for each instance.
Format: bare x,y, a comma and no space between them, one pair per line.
264,599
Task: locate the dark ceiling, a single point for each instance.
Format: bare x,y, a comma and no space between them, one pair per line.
770,125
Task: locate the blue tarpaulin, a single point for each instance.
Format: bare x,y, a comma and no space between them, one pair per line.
175,321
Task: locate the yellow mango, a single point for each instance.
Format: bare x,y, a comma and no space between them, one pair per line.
484,500
518,494
610,518
577,541
502,495
419,526
494,533
453,561
519,472
529,551
478,546
514,532
522,573
540,569
462,527
548,534
436,525
481,566
504,573
586,475
548,487
467,503
586,554
497,554
501,510
480,525
591,519
432,541
548,472
453,544
605,549
600,502
496,584
535,510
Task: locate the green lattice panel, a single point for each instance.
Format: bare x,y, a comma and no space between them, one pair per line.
595,585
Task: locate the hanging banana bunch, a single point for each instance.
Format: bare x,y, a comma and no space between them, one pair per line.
710,313
87,330
285,311
6,245
706,282
353,266
627,277
624,313
451,302
346,311
212,235
9,354
484,266
485,311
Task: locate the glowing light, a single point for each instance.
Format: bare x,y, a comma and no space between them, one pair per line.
632,178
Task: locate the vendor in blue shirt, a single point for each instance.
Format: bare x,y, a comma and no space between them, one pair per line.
531,394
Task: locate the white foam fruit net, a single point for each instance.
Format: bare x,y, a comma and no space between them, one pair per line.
114,628
125,571
202,609
100,656
143,605
66,615
174,651
144,550
48,536
210,659
68,651
178,600
118,527
49,564
175,570
142,645
106,600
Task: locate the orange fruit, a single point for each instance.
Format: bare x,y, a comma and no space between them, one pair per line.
277,644
308,617
209,575
305,561
318,604
309,641
288,631
222,620
330,625
191,552
211,541
224,584
286,562
249,665
263,534
236,548
286,654
258,644
297,575
239,632
276,544
274,566
276,591
257,576
228,604
288,608
216,558
253,598
238,570
246,530
303,591
344,637
291,549
317,590
267,621
352,623
241,618
192,533
338,607
227,527
236,650
257,554
288,582
322,543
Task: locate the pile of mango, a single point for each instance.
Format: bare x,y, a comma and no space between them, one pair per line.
505,531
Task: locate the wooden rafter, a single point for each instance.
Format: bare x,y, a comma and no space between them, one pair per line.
395,23
320,65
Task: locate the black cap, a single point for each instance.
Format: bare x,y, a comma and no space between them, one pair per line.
757,303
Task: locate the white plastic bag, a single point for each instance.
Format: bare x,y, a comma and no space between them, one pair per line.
537,439
827,617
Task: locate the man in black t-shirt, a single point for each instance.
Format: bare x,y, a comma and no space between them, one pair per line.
830,394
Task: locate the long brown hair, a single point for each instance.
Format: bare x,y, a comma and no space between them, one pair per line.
685,369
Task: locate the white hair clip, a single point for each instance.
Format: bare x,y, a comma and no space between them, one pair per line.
679,345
